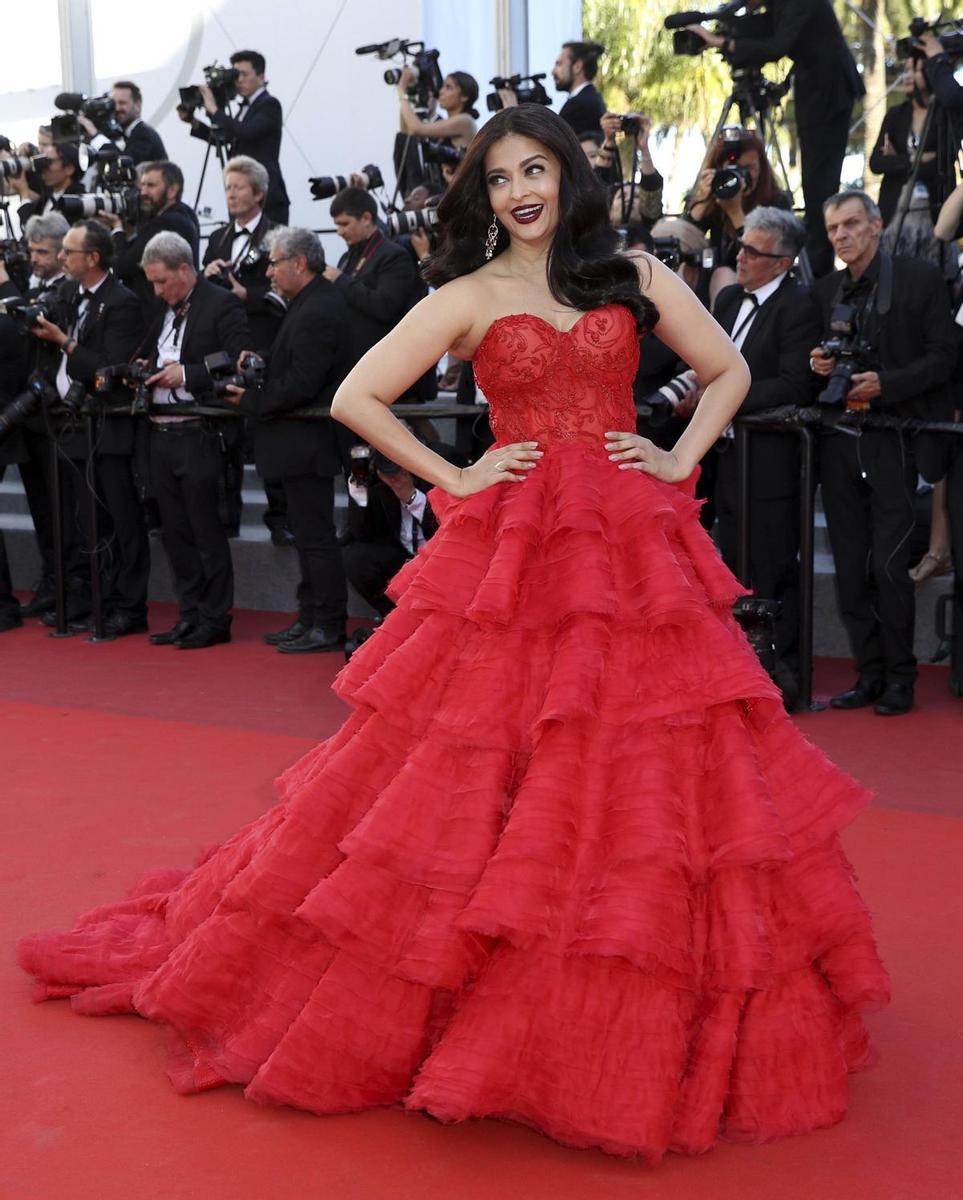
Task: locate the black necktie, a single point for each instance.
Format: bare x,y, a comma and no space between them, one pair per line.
754,304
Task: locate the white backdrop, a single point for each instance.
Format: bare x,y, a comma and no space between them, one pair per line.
339,114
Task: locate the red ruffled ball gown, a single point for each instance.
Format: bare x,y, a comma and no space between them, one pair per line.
568,862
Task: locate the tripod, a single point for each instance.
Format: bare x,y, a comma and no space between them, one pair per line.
218,141
947,157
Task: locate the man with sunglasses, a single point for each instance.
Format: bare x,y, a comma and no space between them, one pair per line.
772,319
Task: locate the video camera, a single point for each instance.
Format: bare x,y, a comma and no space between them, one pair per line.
221,80
851,352
323,187
100,109
528,89
684,41
424,63
951,37
399,223
224,374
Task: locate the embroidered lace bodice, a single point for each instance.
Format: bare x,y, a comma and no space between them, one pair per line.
547,385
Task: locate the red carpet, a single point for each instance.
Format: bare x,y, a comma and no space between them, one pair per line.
170,750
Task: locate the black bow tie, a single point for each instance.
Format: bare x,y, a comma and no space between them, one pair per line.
244,103
751,297
83,295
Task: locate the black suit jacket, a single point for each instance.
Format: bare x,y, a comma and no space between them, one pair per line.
263,316
144,144
776,347
215,321
12,378
895,168
128,253
31,208
258,136
379,522
584,112
111,332
826,79
308,360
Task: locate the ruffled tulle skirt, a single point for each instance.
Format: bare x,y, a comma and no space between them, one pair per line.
567,862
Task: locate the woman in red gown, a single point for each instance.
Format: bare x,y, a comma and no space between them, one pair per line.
568,862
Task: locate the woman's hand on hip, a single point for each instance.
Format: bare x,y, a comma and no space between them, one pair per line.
634,453
505,464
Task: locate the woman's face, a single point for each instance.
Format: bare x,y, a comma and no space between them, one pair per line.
523,178
450,96
749,161
913,77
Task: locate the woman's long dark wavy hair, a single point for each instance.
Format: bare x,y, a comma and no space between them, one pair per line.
766,191
585,269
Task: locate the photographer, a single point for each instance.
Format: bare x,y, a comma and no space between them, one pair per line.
44,237
376,276
740,155
12,450
773,320
140,142
941,72
103,324
196,319
161,210
60,177
308,361
457,97
639,200
898,310
255,131
826,85
389,517
574,70
898,143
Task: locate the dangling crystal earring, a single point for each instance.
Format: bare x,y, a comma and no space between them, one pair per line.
492,238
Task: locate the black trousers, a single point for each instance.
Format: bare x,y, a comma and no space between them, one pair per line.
370,567
35,474
9,605
322,592
185,463
125,553
868,482
822,146
773,550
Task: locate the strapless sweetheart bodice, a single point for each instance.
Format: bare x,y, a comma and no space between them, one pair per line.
548,385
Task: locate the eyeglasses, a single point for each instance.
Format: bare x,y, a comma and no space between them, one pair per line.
273,262
752,252
74,250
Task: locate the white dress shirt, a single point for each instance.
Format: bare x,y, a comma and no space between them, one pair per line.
63,379
243,239
747,310
169,343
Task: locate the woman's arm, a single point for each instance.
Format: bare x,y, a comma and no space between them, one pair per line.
687,328
459,126
951,214
439,323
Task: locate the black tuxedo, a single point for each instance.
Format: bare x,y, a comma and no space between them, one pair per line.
308,360
144,144
387,286
31,208
826,84
178,218
895,168
869,482
584,112
263,315
776,347
185,459
258,135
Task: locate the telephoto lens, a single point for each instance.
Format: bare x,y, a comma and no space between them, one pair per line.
407,222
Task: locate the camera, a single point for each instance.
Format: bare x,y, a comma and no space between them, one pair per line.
323,187
850,351
99,109
441,153
37,392
360,455
730,178
13,168
684,41
407,222
948,33
114,170
17,261
528,89
630,125
124,204
669,250
221,80
132,374
424,63
663,403
221,368
47,305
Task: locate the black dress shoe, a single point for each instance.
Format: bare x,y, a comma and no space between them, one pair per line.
312,641
42,602
865,692
121,625
170,636
281,537
10,620
78,610
294,630
203,636
895,700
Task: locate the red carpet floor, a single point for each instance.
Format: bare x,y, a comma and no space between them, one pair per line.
124,756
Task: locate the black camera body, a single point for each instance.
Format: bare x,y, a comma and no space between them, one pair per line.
323,187
440,152
685,42
221,80
528,89
221,368
850,350
15,258
131,374
424,63
948,33
26,312
730,178
669,250
38,392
